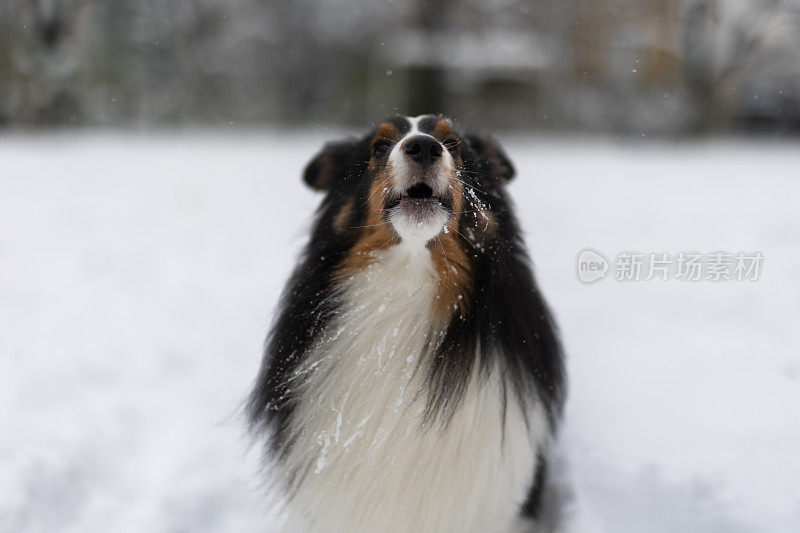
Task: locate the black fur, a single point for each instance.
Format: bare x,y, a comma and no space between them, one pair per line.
507,318
307,303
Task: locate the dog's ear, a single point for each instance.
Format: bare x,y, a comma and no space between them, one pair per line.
330,165
491,156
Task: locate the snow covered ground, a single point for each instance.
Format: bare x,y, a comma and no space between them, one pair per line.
138,276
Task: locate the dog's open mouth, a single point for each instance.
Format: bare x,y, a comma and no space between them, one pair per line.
420,191
417,213
418,196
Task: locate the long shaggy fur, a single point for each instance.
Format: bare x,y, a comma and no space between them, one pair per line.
417,388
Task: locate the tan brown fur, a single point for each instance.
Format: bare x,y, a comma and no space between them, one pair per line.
449,255
443,130
376,233
387,131
450,251
342,221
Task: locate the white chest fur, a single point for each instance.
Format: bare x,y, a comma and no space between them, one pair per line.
364,462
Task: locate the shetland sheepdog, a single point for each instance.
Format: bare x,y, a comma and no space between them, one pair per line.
413,378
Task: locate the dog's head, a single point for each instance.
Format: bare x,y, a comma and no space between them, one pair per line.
417,182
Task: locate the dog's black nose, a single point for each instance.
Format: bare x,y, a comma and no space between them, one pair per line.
423,149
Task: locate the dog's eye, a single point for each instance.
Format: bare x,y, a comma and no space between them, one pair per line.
451,145
380,148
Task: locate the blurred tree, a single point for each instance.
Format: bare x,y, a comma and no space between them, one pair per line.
734,48
41,60
426,88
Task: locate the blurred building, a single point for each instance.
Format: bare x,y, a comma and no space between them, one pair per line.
620,66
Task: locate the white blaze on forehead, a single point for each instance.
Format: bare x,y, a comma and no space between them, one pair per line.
414,121
412,130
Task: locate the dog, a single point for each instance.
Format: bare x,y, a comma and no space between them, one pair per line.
413,378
